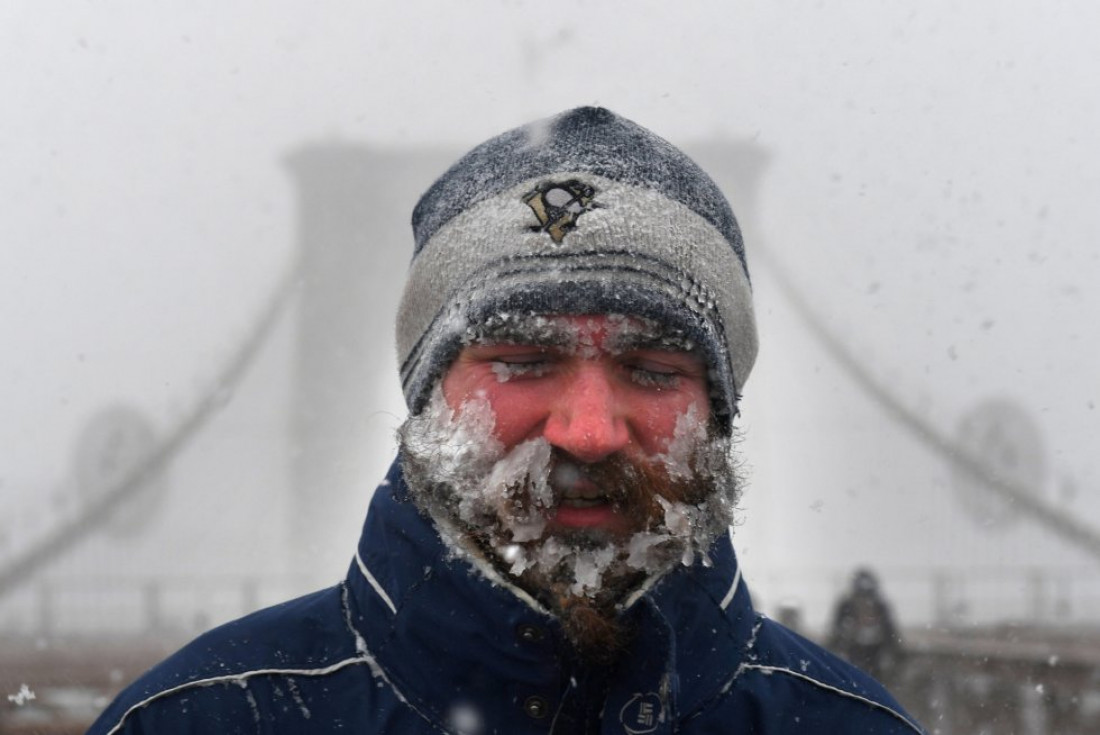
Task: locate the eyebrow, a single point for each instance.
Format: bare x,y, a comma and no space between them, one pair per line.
650,336
624,334
521,329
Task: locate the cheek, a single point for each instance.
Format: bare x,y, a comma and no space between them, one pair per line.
518,413
655,421
655,430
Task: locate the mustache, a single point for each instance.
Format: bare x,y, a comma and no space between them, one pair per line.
632,485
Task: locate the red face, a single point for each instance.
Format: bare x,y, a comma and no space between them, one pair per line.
596,394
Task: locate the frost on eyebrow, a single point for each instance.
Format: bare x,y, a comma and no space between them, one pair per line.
622,333
628,333
507,328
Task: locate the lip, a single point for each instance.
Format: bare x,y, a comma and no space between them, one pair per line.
600,516
581,504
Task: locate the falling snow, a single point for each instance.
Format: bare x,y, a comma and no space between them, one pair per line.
21,697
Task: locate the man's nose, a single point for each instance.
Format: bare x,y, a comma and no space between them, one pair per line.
587,418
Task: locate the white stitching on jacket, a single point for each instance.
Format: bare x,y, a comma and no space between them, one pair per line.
235,677
733,587
374,583
829,687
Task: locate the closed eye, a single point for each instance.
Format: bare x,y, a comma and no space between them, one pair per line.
661,369
653,375
509,365
520,367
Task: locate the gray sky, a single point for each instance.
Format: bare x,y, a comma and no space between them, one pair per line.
932,177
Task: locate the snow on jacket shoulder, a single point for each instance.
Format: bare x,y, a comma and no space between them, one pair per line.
416,641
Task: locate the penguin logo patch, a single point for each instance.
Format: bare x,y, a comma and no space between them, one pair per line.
558,205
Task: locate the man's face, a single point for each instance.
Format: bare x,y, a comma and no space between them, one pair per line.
593,388
576,455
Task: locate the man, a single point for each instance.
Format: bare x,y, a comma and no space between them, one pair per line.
863,629
550,552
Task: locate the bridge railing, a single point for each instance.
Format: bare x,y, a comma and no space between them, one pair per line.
941,597
919,597
179,606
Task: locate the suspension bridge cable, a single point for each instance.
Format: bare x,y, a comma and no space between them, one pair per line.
1063,524
70,532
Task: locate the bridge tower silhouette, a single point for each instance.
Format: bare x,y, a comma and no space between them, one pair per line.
353,246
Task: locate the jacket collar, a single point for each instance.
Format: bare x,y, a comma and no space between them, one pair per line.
451,642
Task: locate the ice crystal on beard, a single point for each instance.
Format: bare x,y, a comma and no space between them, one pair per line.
524,470
459,447
681,521
582,568
484,484
678,516
589,566
688,437
640,548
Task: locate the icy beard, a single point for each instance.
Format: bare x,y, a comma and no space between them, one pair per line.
492,507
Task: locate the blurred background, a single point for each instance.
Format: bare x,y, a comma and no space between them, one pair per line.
205,210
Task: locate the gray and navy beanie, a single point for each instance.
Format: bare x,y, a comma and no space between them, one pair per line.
582,213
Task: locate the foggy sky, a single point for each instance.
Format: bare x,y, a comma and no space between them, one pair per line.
931,183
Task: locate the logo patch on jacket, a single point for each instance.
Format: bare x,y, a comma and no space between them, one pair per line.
558,204
644,713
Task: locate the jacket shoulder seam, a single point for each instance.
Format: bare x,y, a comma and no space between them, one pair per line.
234,677
829,687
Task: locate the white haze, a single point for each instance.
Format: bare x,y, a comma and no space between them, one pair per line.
930,185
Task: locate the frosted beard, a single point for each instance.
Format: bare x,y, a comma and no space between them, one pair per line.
493,506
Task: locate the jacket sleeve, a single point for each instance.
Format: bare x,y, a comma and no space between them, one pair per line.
223,707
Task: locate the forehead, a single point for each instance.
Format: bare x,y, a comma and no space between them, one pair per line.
610,332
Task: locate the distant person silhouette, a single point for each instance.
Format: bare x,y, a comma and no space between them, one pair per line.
863,628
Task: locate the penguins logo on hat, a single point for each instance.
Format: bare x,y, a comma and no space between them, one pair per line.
558,205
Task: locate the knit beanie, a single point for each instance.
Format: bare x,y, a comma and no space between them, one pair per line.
583,213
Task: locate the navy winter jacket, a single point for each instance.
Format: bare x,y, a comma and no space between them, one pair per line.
416,641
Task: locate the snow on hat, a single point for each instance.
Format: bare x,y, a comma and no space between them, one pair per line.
583,213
